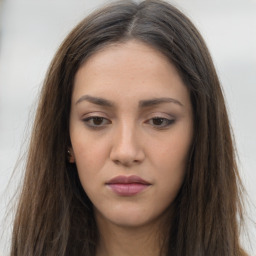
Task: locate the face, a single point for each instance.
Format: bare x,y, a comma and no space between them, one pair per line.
131,130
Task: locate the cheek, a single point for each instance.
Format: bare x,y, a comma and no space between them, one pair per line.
87,162
171,171
171,153
170,161
89,152
90,157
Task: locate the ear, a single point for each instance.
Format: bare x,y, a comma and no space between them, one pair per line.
71,156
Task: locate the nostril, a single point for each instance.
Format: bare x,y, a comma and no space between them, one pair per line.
126,162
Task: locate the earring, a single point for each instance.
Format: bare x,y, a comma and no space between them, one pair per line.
71,158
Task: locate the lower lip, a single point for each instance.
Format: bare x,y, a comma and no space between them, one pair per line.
129,189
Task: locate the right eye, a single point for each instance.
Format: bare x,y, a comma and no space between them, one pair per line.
96,121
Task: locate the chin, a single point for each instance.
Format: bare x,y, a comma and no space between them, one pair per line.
129,218
130,221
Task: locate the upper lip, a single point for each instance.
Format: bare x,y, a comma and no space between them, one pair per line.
127,180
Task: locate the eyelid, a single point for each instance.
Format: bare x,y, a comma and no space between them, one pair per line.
86,119
160,115
167,120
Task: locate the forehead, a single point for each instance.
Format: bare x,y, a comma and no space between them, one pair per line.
130,69
135,54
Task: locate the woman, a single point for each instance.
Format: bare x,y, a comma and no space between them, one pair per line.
131,151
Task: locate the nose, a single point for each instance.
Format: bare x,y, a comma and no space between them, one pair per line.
127,149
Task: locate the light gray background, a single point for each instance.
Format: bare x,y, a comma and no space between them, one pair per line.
32,30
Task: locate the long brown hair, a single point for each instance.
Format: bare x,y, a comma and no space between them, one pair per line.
54,215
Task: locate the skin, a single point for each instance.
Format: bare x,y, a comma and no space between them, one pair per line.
148,140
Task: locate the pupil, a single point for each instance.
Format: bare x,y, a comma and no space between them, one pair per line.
98,120
158,121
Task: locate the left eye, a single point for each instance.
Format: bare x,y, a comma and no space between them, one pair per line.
96,121
160,122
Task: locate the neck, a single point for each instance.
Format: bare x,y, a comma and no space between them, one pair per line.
128,241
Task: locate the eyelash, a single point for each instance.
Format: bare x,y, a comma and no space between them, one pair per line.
89,121
167,122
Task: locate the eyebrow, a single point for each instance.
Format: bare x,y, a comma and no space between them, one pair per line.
157,101
96,100
142,103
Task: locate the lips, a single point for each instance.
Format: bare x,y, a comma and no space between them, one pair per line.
127,185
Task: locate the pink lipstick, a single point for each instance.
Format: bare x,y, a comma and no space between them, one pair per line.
127,185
